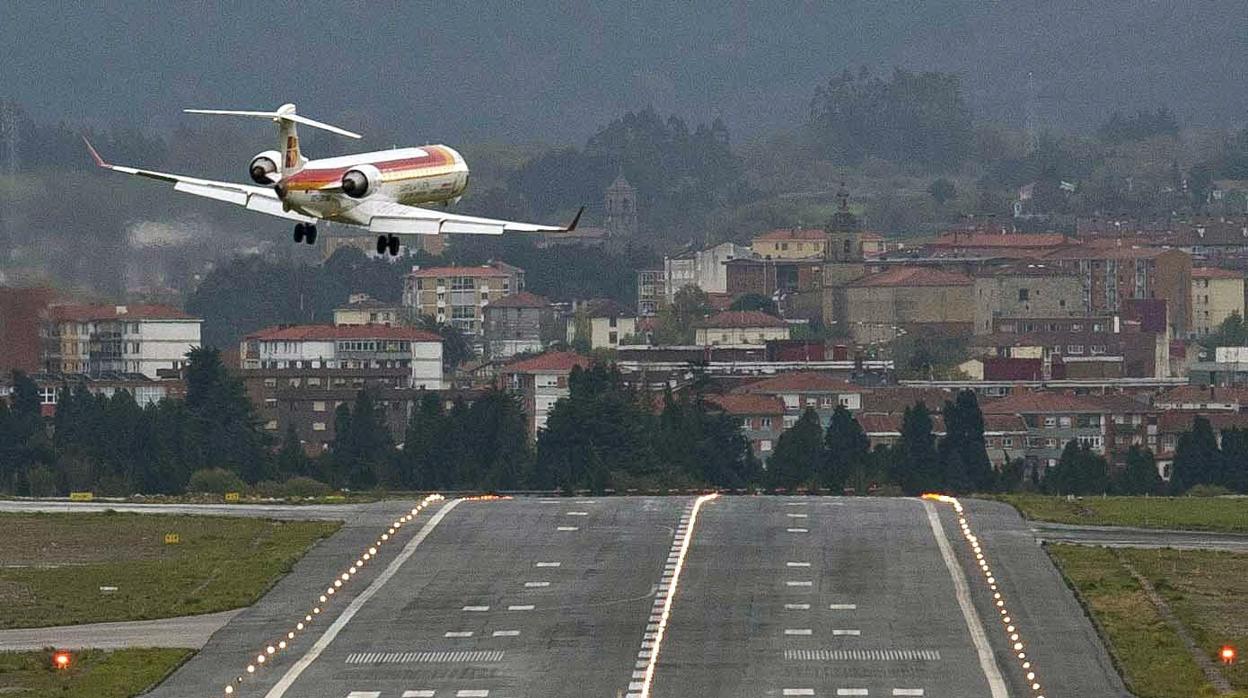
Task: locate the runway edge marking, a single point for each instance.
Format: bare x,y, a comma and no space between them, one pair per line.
652,640
288,679
979,635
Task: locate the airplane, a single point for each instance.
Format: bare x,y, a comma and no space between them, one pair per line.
376,190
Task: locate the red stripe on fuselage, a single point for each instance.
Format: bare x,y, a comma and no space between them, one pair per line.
313,178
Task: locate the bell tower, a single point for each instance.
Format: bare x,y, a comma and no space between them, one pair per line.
621,208
842,258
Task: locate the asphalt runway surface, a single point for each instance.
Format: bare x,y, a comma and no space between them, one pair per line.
631,596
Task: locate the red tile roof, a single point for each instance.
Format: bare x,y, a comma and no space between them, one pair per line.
906,277
442,272
523,299
880,424
742,319
1215,273
85,313
1100,250
1009,240
1004,423
314,333
1027,402
800,382
1200,394
605,307
747,404
1172,421
781,234
551,362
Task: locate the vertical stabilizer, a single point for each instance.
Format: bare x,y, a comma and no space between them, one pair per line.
288,135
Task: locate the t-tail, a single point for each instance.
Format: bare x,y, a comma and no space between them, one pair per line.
288,136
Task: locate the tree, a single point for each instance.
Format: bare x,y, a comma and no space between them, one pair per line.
292,460
699,441
1196,458
455,347
963,451
846,450
1078,471
798,457
675,324
1140,475
227,432
942,190
916,463
912,117
417,464
755,301
602,426
501,450
362,447
1235,459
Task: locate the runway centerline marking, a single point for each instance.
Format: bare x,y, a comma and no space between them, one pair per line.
457,633
521,607
852,692
987,660
548,564
418,694
797,631
798,530
536,585
476,609
799,691
797,564
797,607
566,528
907,691
843,607
279,689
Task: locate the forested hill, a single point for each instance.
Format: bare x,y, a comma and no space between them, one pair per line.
555,71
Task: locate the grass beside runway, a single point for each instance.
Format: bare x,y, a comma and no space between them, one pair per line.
54,565
1208,592
1225,514
91,674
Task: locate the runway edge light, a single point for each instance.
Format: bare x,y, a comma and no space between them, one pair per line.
1227,654
61,660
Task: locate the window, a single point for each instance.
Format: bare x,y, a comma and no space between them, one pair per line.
611,322
1065,422
613,337
765,422
1007,442
318,426
270,382
318,406
1050,422
1074,349
271,425
314,380
764,445
1024,294
295,382
826,401
270,402
1050,443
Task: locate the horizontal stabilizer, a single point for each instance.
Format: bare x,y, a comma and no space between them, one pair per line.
285,113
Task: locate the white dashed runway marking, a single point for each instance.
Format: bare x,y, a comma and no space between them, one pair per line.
797,516
797,564
578,513
797,583
506,633
364,694
824,655
852,692
548,564
423,693
457,633
797,607
798,530
843,607
536,585
471,693
797,631
566,528
476,609
907,691
442,657
846,633
521,607
799,691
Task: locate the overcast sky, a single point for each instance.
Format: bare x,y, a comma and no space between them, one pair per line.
553,72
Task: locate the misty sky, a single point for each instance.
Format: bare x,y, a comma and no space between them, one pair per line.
553,72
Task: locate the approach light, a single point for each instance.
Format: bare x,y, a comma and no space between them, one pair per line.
1227,654
61,660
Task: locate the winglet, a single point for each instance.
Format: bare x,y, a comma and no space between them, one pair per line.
94,155
575,220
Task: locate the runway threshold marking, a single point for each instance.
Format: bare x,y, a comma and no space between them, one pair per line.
907,691
652,640
283,684
979,636
418,694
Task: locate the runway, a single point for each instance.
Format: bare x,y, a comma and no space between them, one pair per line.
769,596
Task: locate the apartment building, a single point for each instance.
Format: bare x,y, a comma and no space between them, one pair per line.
1113,274
798,391
796,243
702,268
138,339
540,382
458,295
761,416
1216,295
733,327
411,358
362,309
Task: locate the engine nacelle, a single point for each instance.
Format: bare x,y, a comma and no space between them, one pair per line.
360,181
263,168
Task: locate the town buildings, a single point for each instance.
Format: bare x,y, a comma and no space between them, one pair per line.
540,382
761,416
522,323
702,268
409,357
361,309
735,327
458,295
602,324
23,312
796,243
880,307
150,340
1025,290
1216,295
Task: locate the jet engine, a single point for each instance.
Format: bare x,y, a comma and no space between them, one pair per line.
263,168
359,182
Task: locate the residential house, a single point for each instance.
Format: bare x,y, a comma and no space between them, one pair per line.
150,340
362,309
740,327
458,295
540,382
1216,295
796,243
807,389
702,268
522,323
762,419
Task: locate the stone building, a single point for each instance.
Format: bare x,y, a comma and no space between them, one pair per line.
1025,290
621,208
879,307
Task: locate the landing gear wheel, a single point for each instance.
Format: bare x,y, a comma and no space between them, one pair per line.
383,244
300,230
309,234
394,245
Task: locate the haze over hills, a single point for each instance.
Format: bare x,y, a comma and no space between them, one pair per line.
555,72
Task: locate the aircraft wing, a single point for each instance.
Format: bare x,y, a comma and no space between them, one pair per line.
389,218
250,197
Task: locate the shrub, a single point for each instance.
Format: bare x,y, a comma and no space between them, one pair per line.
1208,491
305,487
42,482
215,481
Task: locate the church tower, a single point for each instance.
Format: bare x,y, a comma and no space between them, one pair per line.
621,208
843,258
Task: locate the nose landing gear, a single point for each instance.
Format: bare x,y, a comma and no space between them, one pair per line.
388,244
305,232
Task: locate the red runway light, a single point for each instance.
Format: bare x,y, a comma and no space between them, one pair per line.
1227,654
61,660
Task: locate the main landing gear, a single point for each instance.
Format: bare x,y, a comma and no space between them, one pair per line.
388,244
305,232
